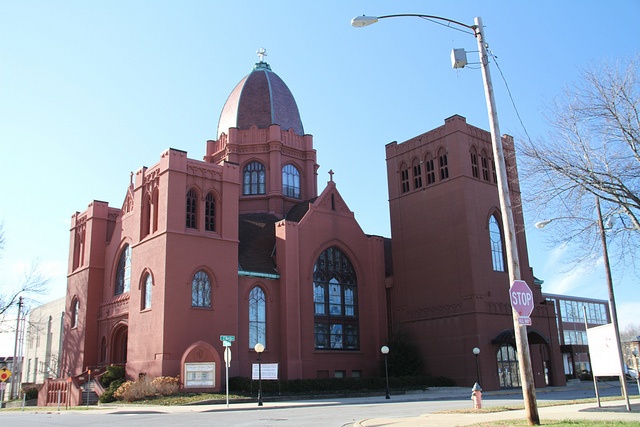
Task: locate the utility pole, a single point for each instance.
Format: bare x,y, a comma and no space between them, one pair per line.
15,380
508,225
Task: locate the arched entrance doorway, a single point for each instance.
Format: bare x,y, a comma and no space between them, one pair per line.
119,338
507,357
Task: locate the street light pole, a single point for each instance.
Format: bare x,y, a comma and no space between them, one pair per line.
612,301
259,348
476,351
613,313
385,350
508,225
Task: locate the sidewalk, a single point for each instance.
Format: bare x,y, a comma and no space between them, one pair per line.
609,411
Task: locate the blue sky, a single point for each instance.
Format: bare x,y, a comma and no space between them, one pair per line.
93,90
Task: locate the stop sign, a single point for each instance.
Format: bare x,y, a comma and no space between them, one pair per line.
521,298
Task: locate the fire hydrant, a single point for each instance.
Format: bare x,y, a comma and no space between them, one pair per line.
476,396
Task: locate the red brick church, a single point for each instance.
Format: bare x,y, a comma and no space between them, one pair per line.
242,243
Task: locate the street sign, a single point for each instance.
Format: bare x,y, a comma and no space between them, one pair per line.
5,374
229,338
524,320
226,344
522,301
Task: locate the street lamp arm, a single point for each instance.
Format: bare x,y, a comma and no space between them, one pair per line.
363,21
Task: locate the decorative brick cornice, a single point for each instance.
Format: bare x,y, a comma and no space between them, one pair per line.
116,306
434,312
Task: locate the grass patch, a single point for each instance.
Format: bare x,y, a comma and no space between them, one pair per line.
185,399
492,409
572,423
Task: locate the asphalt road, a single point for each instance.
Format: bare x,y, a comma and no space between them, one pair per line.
327,412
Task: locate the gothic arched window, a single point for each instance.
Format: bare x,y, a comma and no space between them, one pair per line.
253,179
210,213
123,271
257,317
192,208
495,237
75,309
335,302
201,290
147,288
291,181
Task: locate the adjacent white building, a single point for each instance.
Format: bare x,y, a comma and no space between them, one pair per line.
43,342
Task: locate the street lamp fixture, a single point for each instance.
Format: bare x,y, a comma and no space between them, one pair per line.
385,350
508,225
542,224
476,351
259,348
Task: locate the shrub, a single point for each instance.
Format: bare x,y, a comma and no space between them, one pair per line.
30,393
112,373
123,392
144,387
108,395
165,385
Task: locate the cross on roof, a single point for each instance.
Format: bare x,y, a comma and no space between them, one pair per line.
261,54
331,175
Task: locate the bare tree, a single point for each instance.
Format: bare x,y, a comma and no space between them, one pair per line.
592,151
630,333
33,284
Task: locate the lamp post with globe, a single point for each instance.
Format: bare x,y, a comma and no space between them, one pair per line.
259,348
385,350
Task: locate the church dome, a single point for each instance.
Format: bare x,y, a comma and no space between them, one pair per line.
261,99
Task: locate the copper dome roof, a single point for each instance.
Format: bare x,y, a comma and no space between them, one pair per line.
261,99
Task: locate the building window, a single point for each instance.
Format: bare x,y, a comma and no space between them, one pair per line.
495,173
417,175
495,236
75,309
291,181
431,173
210,213
254,177
257,317
192,208
404,178
78,247
485,167
201,290
145,220
147,287
444,167
155,197
474,164
335,302
123,271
